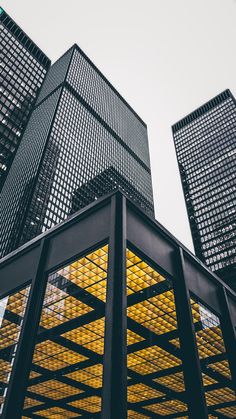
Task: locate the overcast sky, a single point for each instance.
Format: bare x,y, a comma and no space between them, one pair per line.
166,57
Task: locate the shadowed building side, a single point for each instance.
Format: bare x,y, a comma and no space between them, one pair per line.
92,128
23,67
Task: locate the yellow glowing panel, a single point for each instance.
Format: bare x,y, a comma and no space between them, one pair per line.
222,368
150,360
139,392
5,369
207,381
90,404
139,274
173,381
210,342
133,337
57,413
156,314
59,307
168,407
175,342
131,258
9,333
228,411
53,356
91,376
220,395
89,272
31,402
135,415
54,389
90,336
17,302
33,374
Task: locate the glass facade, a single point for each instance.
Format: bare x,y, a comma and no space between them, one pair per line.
23,68
118,327
155,372
12,310
82,135
68,357
215,370
205,147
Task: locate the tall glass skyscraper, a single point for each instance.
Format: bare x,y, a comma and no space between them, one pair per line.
205,144
23,67
81,129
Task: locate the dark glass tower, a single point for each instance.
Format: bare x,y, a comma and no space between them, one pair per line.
80,132
23,67
205,144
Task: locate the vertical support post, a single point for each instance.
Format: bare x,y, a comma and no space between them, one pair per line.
191,363
114,403
228,333
21,368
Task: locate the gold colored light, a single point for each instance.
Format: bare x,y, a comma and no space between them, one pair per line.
135,415
139,392
5,369
228,411
9,333
221,395
139,274
90,336
173,381
34,374
207,381
31,402
59,307
17,302
91,376
210,342
168,407
175,342
52,356
131,258
91,404
133,337
54,389
57,413
222,368
89,273
156,314
151,359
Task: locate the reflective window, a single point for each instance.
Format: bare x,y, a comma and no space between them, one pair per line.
12,310
155,373
218,386
67,364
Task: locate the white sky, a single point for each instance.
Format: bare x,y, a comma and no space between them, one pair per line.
166,57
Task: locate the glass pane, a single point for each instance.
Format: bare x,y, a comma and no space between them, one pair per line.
155,374
67,369
12,310
220,396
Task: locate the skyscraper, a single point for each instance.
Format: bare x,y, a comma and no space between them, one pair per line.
23,67
205,144
80,129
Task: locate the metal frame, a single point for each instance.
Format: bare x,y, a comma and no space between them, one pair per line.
128,224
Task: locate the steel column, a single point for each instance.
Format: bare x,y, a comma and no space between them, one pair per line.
191,364
114,403
228,333
21,368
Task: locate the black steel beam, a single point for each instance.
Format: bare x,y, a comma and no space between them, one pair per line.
21,368
228,333
114,400
191,363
